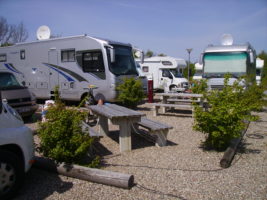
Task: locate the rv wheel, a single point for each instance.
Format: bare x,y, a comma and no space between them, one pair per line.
12,174
173,87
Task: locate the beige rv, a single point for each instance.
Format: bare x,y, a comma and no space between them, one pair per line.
17,95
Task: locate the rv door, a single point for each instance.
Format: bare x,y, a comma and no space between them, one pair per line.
165,79
53,73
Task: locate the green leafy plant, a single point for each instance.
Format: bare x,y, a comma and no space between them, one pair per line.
199,86
62,138
130,92
229,108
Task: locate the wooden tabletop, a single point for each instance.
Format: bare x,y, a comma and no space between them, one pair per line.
112,111
180,95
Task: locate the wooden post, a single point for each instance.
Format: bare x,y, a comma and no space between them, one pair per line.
103,128
156,110
84,173
229,153
125,136
231,150
164,101
161,138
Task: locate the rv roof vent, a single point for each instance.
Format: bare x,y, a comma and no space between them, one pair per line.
43,33
227,39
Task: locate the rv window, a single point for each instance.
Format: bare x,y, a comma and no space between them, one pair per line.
93,62
166,73
145,69
166,63
68,55
22,54
2,57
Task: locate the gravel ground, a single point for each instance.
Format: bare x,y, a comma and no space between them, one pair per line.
181,170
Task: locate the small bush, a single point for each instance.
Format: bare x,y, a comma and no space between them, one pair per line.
228,109
62,138
130,92
199,86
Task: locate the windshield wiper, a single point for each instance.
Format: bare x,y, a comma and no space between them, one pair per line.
11,87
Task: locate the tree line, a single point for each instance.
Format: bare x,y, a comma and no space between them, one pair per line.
11,33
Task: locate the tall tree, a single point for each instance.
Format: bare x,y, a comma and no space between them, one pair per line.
149,53
191,71
5,31
19,33
10,33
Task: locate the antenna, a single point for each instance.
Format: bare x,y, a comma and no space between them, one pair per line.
227,39
43,33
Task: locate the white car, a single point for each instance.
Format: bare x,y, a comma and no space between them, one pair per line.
16,150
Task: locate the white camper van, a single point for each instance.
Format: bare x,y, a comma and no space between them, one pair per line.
72,63
166,73
237,60
16,150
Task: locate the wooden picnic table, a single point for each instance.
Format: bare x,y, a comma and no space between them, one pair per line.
166,98
118,115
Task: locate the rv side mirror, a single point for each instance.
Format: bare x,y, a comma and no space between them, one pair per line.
251,57
198,66
112,55
142,57
23,83
201,59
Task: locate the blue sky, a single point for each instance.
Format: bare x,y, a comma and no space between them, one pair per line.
163,26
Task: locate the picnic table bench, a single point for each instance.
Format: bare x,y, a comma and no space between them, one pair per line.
118,115
177,98
156,131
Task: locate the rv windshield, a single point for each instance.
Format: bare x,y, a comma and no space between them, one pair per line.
218,64
124,62
176,74
8,81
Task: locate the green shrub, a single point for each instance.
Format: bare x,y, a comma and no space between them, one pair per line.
199,86
62,138
130,92
228,109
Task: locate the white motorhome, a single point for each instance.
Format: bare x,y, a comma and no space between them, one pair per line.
259,67
165,72
72,63
237,60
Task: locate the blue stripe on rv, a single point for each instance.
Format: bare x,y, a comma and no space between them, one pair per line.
63,74
9,67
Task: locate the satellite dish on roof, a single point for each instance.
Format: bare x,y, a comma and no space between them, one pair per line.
227,39
137,54
43,33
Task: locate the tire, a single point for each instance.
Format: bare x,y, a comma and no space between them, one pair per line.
173,87
11,174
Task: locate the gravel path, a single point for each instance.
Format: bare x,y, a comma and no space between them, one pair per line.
181,170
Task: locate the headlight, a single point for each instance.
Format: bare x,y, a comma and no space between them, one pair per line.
33,96
13,112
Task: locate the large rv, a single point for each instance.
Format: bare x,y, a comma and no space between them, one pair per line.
237,60
72,63
166,72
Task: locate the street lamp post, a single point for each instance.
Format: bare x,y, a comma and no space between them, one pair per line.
189,51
